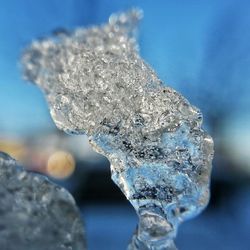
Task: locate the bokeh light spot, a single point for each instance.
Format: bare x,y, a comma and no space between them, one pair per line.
61,164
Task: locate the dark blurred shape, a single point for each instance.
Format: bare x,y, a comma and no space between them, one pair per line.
61,31
35,213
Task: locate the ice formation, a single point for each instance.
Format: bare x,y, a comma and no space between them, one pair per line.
96,83
36,214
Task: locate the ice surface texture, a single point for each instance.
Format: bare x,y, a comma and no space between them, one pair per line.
36,214
96,83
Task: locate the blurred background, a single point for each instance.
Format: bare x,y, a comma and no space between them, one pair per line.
200,48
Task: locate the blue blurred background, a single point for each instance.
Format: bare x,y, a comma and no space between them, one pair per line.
201,48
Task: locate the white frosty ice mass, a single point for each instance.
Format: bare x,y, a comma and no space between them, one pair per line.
96,83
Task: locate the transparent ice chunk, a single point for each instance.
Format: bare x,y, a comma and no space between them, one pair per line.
96,83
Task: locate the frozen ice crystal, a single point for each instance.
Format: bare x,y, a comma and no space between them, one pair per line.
96,83
36,214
